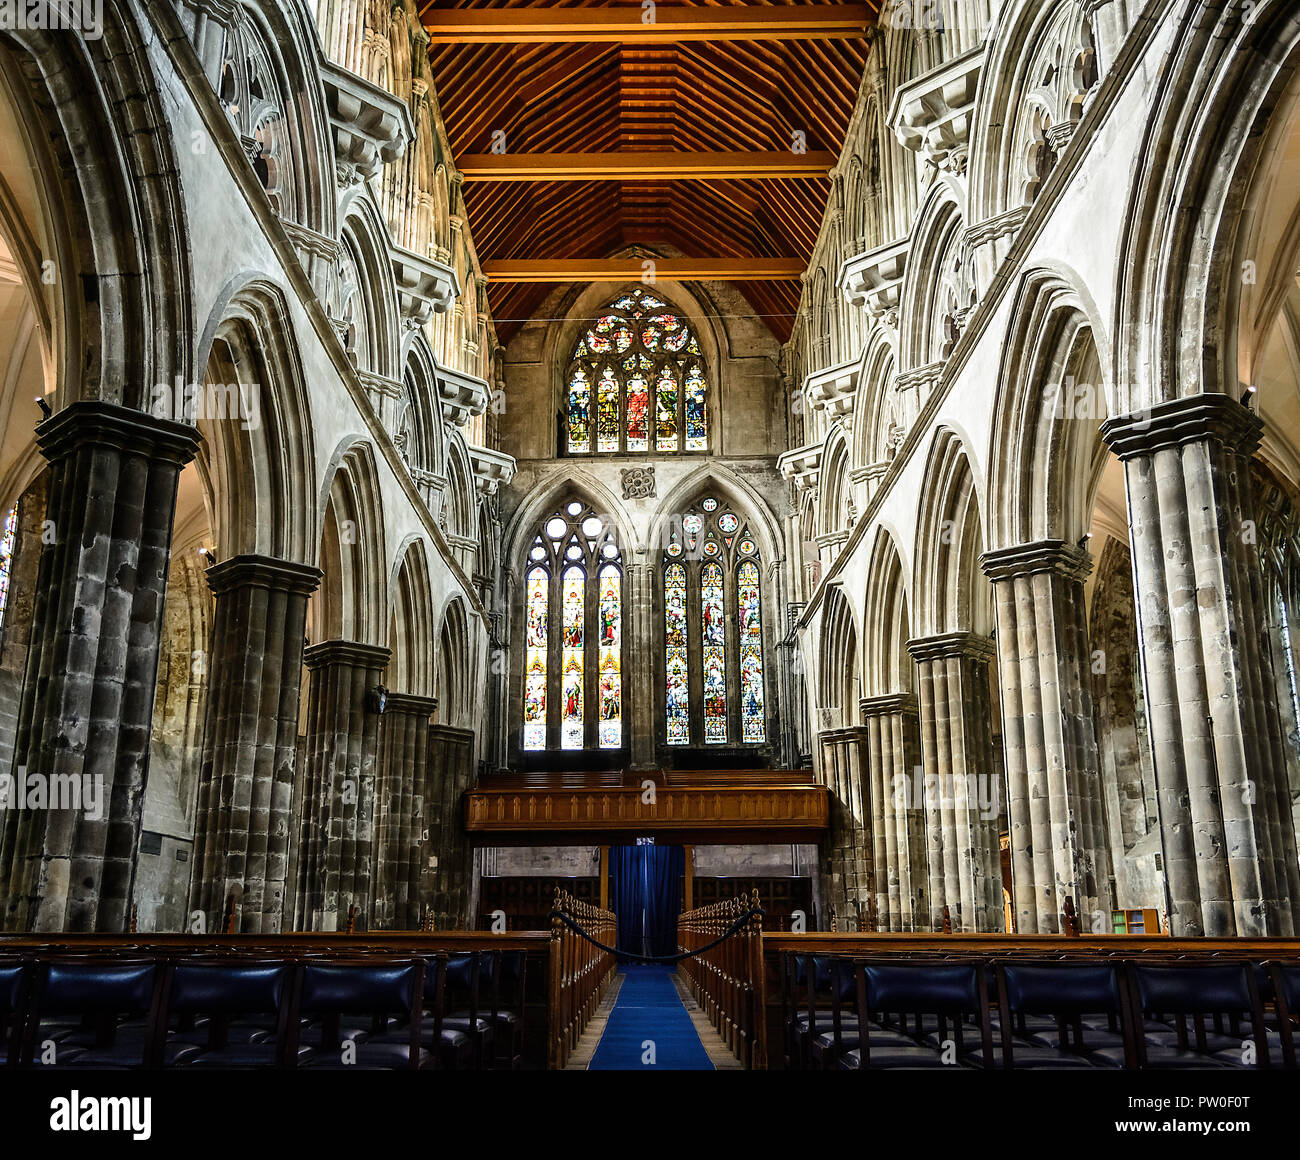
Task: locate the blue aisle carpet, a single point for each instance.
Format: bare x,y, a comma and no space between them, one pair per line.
649,1008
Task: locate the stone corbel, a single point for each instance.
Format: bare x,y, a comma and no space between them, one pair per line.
833,390
424,287
462,396
492,469
932,114
802,466
371,126
874,280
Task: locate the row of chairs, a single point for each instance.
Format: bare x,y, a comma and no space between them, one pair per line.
870,1013
371,1011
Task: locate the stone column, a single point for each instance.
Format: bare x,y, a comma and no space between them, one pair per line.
250,740
901,877
401,812
336,806
1216,738
445,885
86,709
962,791
1059,847
849,842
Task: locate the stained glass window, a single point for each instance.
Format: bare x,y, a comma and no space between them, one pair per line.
713,629
6,559
571,668
749,602
638,377
579,411
536,599
609,628
725,655
573,632
677,693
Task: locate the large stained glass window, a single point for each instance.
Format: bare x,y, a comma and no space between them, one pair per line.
573,634
637,383
714,682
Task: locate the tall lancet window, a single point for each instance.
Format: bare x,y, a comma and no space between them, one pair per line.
636,382
714,689
573,634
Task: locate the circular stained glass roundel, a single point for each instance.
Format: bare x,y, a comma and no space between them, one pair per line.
609,551
574,553
538,553
592,527
674,549
574,508
727,523
747,547
710,547
710,504
693,525
556,527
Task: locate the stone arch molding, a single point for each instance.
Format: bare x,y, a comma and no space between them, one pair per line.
1041,71
352,599
1215,92
1049,408
258,457
737,491
121,304
578,483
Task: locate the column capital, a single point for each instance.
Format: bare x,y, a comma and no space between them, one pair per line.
1041,556
250,571
1210,417
952,644
843,733
411,705
887,705
333,652
92,422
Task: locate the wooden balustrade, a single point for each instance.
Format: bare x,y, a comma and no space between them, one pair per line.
727,980
580,972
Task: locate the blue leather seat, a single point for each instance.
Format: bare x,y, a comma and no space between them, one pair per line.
105,1012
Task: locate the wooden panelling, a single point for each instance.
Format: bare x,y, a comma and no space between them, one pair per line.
527,900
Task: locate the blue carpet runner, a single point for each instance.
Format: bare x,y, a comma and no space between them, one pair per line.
648,1008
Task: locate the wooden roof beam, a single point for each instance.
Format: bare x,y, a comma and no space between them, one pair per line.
646,166
671,24
665,269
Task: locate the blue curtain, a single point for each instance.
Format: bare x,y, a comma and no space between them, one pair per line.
646,893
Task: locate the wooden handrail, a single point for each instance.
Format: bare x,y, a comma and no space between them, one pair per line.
580,972
727,980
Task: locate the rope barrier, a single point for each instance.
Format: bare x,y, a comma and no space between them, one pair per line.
734,928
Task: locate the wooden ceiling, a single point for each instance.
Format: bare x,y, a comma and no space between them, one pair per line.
587,95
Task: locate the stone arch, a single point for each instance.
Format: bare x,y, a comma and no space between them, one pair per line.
937,290
459,510
1216,92
268,84
365,310
839,681
952,594
886,664
1041,70
411,670
419,430
875,411
454,670
256,462
104,206
740,494
834,494
350,603
582,484
1046,455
